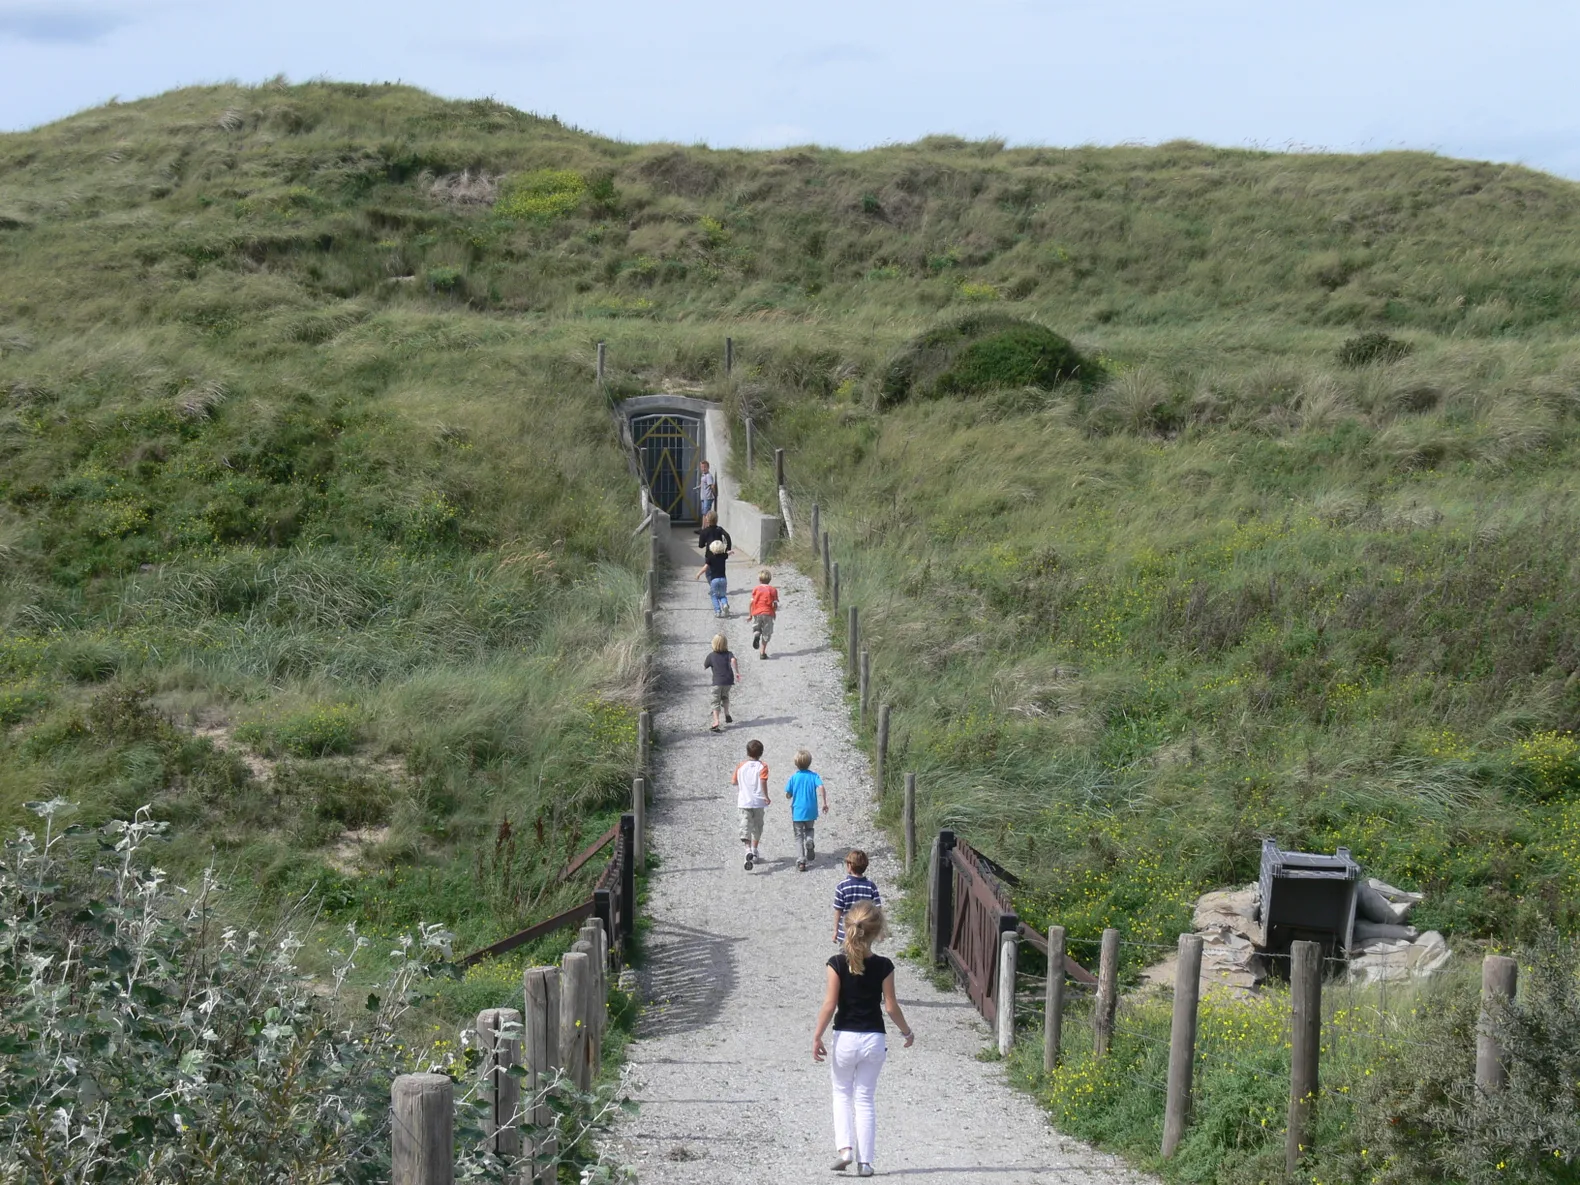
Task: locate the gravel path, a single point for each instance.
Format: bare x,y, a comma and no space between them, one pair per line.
733,977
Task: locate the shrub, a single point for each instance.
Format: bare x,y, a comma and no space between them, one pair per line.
145,1039
1549,762
320,732
445,279
547,194
1420,1115
203,1045
1367,348
18,702
981,352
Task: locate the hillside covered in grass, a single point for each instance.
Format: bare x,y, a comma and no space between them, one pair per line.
316,537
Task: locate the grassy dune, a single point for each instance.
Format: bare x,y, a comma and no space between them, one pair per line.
313,526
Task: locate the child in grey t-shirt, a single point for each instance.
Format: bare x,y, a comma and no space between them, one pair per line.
726,673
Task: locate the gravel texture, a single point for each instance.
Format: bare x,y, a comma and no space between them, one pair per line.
733,973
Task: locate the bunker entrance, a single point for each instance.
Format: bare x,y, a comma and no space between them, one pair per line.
668,446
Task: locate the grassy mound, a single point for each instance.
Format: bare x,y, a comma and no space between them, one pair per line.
981,352
313,534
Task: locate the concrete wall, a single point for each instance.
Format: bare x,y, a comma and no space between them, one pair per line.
751,530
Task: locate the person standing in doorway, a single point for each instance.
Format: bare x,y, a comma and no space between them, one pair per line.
707,489
857,985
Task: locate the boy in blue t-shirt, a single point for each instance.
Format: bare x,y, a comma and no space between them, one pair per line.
803,790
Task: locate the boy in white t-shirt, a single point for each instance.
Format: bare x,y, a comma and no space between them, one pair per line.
751,796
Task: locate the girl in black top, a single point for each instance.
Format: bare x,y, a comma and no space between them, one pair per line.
860,988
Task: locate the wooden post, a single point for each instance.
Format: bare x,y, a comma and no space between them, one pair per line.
644,743
816,527
600,363
541,1060
881,761
826,559
592,939
779,468
647,620
1305,990
422,1140
501,1088
1053,1001
627,881
1107,993
865,685
908,819
574,974
729,355
1182,1042
1499,980
1008,955
943,896
652,562
833,593
853,642
639,823
750,445
931,900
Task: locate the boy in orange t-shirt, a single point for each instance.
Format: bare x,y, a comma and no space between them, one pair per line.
765,607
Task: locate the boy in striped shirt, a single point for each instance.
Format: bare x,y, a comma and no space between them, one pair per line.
855,887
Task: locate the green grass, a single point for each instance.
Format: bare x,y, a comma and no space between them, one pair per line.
302,475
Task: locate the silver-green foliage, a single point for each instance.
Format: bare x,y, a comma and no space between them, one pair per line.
144,1039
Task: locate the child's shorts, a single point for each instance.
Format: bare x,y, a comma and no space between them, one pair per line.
763,627
721,698
751,822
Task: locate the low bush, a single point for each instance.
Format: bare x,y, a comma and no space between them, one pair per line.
981,352
145,1038
320,732
1367,348
546,194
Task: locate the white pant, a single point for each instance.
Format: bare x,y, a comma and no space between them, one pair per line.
853,1063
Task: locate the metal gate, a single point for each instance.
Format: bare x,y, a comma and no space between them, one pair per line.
667,445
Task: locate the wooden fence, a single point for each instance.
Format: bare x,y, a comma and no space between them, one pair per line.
973,928
556,1036
968,901
554,1040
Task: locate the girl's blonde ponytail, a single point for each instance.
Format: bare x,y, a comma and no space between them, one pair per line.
863,927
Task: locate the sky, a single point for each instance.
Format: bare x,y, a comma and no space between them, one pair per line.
1481,80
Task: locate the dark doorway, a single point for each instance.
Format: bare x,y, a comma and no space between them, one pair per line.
668,447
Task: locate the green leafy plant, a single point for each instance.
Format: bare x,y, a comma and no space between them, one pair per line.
981,352
547,194
318,732
144,1037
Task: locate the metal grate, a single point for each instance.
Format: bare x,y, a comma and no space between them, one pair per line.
667,445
